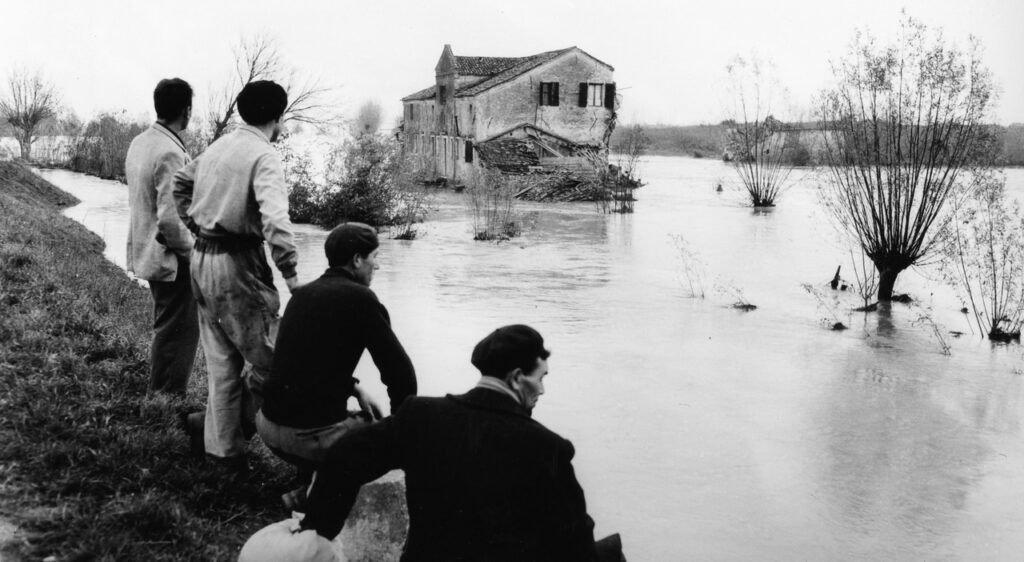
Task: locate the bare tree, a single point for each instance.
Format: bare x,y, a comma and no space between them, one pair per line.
259,58
368,118
904,127
756,144
30,99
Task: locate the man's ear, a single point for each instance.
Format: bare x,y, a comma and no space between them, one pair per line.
357,261
512,377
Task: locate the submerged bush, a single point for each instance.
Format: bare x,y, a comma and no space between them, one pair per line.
364,179
985,258
490,196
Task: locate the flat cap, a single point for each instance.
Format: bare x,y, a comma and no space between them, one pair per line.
508,347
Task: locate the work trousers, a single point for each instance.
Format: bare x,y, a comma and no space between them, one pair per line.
175,332
304,447
238,318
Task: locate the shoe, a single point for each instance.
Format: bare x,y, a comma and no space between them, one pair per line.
236,466
192,424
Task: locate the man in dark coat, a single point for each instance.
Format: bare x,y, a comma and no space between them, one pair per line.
484,481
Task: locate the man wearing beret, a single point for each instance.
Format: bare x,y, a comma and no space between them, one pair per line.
233,198
325,329
484,480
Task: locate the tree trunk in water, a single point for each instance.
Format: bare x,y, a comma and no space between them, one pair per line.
886,282
26,146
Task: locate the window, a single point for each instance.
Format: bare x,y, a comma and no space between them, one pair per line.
597,95
469,151
443,90
549,93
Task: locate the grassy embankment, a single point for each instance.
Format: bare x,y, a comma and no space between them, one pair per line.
93,468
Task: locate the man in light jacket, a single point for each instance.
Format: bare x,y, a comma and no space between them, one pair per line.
159,245
233,198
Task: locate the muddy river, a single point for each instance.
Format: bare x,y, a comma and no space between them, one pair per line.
704,432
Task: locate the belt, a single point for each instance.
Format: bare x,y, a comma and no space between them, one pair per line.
229,244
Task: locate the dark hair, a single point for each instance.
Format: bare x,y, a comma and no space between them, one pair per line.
261,102
508,348
347,240
171,98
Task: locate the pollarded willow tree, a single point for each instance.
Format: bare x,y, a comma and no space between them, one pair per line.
904,133
756,144
30,100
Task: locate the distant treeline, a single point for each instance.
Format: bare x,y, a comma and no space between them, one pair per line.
708,141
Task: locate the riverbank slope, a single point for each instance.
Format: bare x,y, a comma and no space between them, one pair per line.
93,467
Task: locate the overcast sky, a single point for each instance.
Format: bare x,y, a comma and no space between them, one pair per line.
669,57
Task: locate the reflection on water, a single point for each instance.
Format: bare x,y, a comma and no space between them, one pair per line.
703,432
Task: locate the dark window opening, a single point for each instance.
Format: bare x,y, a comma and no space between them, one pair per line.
549,93
469,151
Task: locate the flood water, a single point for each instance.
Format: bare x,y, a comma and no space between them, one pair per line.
703,432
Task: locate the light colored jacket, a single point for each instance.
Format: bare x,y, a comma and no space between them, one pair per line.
236,188
153,158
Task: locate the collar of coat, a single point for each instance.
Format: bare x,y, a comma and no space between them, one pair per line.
173,136
255,131
340,271
483,398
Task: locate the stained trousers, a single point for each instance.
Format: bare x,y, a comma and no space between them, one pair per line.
238,319
175,332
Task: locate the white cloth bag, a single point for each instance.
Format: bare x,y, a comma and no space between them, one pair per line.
283,542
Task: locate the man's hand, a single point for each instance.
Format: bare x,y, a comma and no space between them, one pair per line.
292,283
367,403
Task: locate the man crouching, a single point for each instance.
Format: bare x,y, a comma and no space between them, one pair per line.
484,481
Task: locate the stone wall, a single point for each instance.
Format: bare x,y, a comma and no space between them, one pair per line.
516,102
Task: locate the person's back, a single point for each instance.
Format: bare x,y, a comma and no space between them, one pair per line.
223,200
486,482
327,325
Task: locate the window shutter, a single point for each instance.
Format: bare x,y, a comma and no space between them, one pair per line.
469,151
609,96
554,93
583,94
543,91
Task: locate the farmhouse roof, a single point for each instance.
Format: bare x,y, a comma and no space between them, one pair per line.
498,70
424,94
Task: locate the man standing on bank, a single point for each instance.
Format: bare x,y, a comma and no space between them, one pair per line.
159,245
484,481
325,329
233,198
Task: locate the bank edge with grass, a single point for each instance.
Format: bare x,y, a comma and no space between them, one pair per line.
94,467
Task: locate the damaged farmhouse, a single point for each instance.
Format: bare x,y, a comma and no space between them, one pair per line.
550,115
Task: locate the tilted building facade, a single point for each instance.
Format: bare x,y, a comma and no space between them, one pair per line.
546,111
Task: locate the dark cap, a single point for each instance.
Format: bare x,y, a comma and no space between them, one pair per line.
349,239
261,102
509,347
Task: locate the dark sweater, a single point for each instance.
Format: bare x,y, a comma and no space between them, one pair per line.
484,481
326,326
